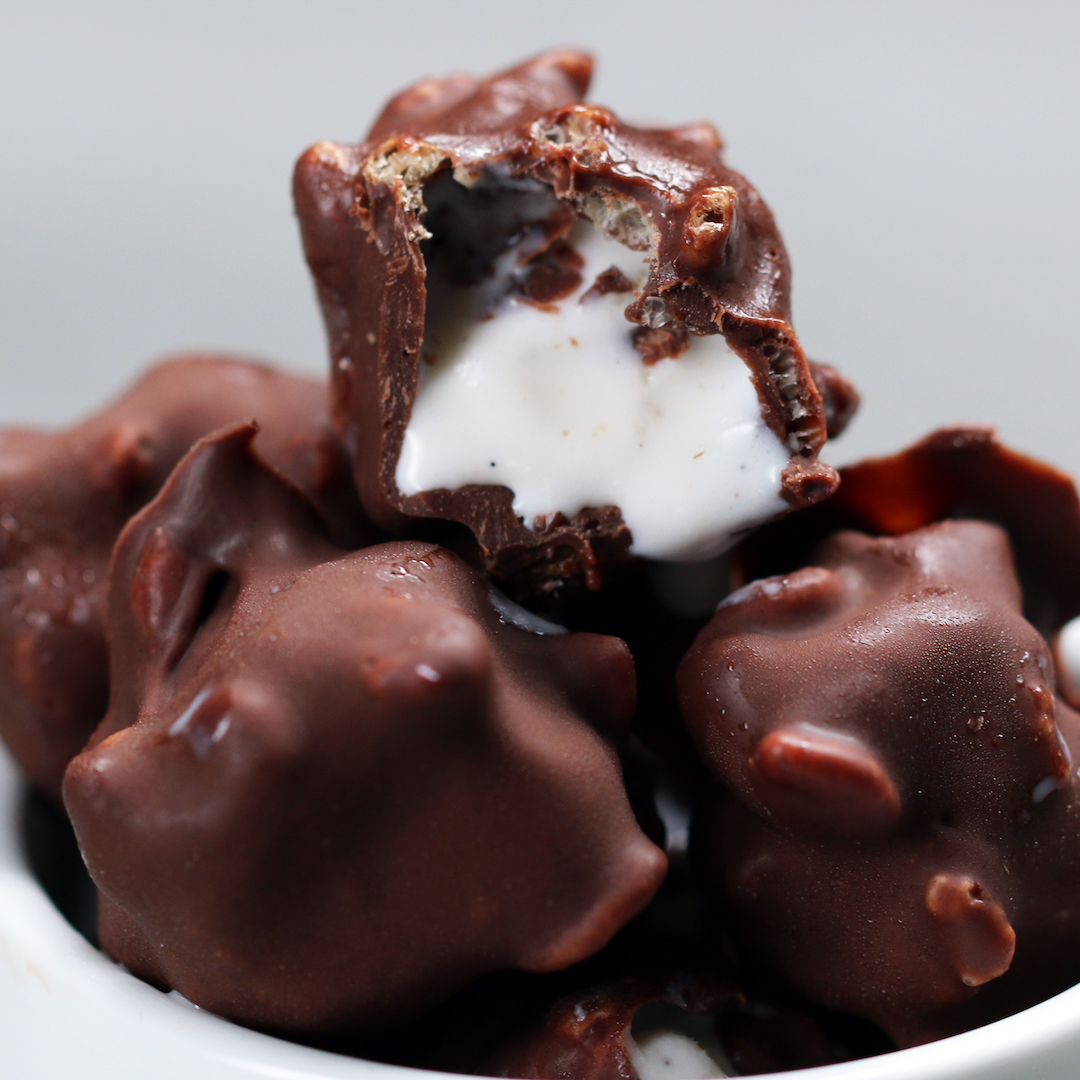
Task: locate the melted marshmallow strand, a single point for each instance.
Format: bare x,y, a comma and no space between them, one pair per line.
557,404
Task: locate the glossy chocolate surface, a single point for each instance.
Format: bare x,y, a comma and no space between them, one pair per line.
718,266
895,831
333,788
65,496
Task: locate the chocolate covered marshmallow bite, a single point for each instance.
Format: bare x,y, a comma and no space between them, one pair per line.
566,333
897,829
65,496
331,788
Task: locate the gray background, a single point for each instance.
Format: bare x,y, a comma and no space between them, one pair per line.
922,160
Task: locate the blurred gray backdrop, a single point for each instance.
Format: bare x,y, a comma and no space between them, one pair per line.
922,159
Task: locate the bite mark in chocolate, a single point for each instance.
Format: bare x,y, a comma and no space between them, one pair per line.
561,411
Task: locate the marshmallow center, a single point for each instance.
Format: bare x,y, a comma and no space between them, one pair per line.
670,1055
668,1043
556,403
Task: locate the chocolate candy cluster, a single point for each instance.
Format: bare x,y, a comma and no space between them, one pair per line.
330,779
890,826
64,498
362,738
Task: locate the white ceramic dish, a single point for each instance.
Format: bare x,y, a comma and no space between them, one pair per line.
67,1013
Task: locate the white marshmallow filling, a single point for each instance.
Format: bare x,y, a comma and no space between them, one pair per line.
667,1043
555,402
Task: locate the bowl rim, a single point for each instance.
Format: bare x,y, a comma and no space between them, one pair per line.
115,1026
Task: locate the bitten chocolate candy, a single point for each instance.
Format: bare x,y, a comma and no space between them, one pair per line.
517,286
64,498
332,789
896,834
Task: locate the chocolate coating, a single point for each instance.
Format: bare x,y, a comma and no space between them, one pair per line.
840,400
64,498
896,834
718,266
332,788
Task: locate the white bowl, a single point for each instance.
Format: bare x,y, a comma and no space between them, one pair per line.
68,1013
